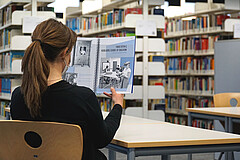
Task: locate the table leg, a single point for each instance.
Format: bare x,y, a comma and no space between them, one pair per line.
189,156
227,130
189,124
230,130
226,125
166,157
189,119
130,154
230,125
111,154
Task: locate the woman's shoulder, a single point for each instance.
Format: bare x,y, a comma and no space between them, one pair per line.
17,95
83,91
17,91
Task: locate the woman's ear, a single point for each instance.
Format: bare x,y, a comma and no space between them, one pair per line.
65,52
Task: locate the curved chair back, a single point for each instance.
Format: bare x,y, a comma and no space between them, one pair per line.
40,140
158,115
134,111
226,100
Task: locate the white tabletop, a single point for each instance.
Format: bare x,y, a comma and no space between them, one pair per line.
220,111
150,133
134,120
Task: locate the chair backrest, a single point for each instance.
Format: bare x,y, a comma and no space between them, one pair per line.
226,100
158,115
134,111
152,114
40,140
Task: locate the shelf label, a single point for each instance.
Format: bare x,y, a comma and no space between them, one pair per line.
236,32
146,28
30,23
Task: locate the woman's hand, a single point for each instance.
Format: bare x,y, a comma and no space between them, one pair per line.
116,98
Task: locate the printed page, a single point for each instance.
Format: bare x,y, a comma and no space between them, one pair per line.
82,68
116,65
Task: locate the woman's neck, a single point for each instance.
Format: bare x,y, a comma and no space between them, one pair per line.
55,74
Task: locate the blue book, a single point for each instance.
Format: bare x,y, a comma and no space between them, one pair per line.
157,59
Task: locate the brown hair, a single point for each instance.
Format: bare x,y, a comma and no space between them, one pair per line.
49,40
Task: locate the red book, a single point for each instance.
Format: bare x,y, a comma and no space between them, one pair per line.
204,44
133,11
158,84
219,20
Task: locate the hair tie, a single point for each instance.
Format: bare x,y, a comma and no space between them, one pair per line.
37,40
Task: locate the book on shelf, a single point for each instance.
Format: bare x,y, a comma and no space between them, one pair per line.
74,24
123,33
196,24
191,44
6,14
7,60
102,63
179,104
191,85
6,36
7,85
100,21
176,119
116,17
152,58
133,11
3,105
105,104
156,58
190,65
160,33
154,104
155,81
205,124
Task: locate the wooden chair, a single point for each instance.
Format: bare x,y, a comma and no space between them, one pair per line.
40,140
227,100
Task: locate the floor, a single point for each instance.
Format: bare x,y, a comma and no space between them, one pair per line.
205,156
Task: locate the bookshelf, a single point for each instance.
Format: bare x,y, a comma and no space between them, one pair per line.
17,16
13,42
189,60
130,22
90,25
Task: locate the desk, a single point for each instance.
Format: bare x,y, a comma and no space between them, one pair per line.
145,138
227,114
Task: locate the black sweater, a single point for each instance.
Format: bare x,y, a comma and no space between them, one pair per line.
63,102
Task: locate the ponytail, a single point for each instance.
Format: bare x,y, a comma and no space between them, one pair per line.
49,38
36,70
